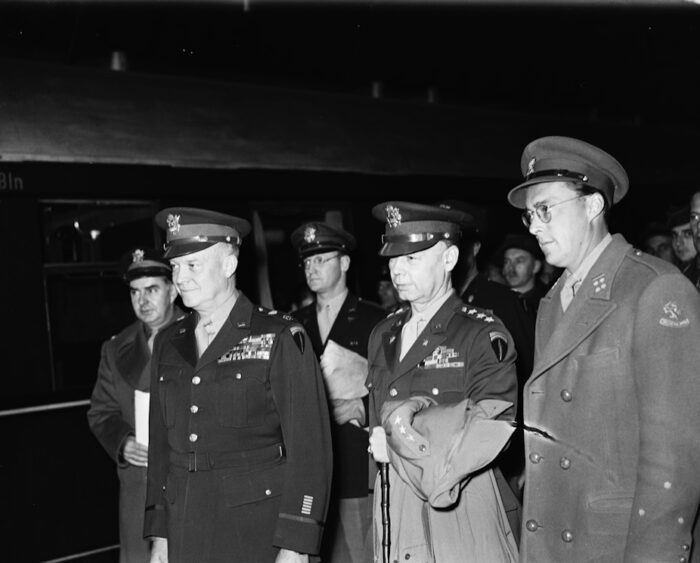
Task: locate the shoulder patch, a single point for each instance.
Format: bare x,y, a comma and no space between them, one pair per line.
298,336
499,343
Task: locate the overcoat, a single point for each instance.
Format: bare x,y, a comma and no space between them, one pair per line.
463,352
613,446
124,366
240,452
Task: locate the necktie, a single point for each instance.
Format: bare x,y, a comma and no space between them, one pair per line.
570,288
204,333
151,338
324,322
410,334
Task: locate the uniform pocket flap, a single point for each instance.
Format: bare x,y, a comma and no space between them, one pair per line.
255,486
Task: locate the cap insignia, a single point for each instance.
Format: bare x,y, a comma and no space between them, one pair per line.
137,256
531,166
173,222
309,234
393,216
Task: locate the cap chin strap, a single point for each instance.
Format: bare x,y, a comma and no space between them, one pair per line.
560,172
420,237
202,238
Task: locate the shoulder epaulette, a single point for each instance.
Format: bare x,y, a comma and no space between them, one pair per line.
476,313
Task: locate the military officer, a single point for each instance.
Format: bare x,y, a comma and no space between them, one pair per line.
338,324
124,369
239,463
611,440
438,347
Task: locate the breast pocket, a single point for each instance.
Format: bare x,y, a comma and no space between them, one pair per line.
241,395
445,385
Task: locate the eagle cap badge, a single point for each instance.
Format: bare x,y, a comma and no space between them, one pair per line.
393,216
309,233
173,222
137,256
531,166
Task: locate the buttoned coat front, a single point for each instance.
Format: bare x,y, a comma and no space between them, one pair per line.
613,447
240,452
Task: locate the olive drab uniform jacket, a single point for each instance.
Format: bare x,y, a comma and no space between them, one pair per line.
463,353
240,450
613,447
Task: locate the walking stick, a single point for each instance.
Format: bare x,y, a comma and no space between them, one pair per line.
386,522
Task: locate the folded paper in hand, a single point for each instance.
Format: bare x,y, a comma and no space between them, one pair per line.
344,372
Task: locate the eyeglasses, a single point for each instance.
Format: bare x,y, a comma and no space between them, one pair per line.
316,261
543,211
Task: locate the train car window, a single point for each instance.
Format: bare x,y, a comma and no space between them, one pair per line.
86,298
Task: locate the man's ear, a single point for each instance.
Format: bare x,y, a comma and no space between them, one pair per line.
172,292
230,265
537,267
596,204
450,257
476,247
344,262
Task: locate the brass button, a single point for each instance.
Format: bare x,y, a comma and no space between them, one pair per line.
685,547
238,376
682,559
535,457
567,536
422,447
532,525
393,392
369,385
565,463
193,437
194,409
196,379
268,492
435,391
566,395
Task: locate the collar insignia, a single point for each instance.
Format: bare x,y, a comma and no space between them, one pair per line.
393,216
137,256
531,166
309,234
173,222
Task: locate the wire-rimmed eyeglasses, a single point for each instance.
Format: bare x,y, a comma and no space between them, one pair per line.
543,211
316,261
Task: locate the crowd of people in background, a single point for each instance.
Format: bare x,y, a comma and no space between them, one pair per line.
540,409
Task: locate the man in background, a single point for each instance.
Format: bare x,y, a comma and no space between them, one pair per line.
339,324
522,262
123,374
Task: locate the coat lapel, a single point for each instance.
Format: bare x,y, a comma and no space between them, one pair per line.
391,340
133,355
587,311
184,340
432,336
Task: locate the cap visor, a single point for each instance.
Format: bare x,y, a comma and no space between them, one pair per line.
175,250
391,249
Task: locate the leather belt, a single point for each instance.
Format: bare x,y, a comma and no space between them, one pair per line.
206,461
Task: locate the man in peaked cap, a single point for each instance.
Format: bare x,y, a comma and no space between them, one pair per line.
338,324
437,346
239,463
123,373
611,406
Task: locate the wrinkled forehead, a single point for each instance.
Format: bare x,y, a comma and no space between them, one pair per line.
548,193
515,253
148,281
680,228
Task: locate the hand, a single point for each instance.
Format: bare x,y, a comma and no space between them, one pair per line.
287,556
159,550
377,445
344,372
135,453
